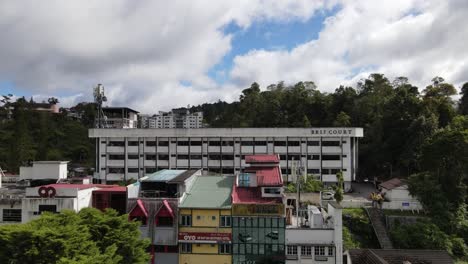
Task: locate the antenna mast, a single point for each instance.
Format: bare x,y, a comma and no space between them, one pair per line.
99,98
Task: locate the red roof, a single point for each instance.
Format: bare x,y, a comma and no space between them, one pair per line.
267,176
138,210
112,188
262,159
392,184
250,195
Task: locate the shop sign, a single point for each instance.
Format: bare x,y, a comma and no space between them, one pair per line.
258,209
196,236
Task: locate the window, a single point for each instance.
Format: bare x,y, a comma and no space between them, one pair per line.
165,221
182,143
306,250
227,143
225,249
294,157
244,180
195,143
150,143
280,143
214,143
294,143
47,208
184,157
319,251
330,157
185,248
227,157
116,157
225,221
272,190
260,143
283,157
116,170
330,251
195,156
313,171
133,143
291,250
132,156
163,157
213,218
331,143
150,157
214,157
186,220
313,157
150,170
133,170
313,143
163,143
247,143
11,215
116,143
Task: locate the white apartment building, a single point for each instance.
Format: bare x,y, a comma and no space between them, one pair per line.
177,118
133,153
317,238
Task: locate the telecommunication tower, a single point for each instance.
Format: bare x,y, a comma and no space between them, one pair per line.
99,98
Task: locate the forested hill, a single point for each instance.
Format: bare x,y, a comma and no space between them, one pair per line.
397,117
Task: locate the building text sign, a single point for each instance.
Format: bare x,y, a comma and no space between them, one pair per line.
258,209
196,236
332,131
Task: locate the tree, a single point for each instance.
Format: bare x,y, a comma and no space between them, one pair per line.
342,120
89,236
339,188
463,105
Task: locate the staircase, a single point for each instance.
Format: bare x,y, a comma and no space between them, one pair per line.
376,217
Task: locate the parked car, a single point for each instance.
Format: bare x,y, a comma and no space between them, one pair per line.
328,195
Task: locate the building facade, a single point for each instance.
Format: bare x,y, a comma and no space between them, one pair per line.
120,117
205,233
132,153
177,118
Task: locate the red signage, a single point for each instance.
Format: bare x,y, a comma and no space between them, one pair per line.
219,237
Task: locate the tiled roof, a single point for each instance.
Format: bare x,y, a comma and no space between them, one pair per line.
398,256
267,176
249,195
262,159
183,176
392,184
210,192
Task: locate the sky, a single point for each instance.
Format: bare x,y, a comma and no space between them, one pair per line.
156,55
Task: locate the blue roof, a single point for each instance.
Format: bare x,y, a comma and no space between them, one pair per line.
162,175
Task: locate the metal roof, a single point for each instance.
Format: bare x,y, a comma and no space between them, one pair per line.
392,184
262,159
210,192
162,176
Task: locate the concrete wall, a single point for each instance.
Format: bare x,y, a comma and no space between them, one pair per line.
31,205
44,170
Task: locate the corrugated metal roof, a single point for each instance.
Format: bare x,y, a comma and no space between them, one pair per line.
210,192
183,176
267,176
392,184
249,195
162,176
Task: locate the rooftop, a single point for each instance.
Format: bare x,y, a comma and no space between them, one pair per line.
80,186
262,159
118,109
392,184
249,195
210,192
267,176
164,176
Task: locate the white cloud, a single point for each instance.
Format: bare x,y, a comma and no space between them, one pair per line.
154,55
140,50
418,39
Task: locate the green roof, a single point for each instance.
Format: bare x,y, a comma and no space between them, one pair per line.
162,175
210,192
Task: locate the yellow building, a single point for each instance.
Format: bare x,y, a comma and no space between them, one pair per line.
205,233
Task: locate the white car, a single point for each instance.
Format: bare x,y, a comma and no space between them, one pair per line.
328,195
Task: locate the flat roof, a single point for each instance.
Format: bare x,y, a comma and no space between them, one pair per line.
210,192
162,176
228,132
50,162
78,186
119,108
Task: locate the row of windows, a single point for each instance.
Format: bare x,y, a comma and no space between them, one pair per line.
222,248
333,143
258,249
221,157
291,250
11,215
224,220
223,170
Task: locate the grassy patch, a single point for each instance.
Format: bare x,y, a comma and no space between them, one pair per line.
357,230
403,212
